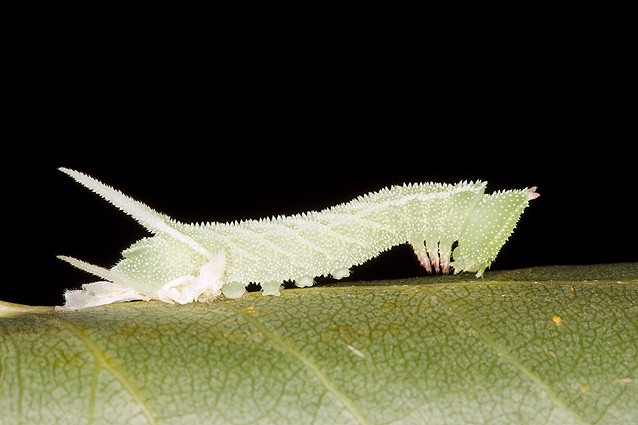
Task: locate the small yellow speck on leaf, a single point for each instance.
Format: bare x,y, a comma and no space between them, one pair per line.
250,309
557,320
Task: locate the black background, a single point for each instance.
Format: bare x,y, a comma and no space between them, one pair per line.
212,134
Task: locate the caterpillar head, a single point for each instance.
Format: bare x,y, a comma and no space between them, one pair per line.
487,228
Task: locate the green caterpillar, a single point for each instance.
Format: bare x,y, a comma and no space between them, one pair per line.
182,263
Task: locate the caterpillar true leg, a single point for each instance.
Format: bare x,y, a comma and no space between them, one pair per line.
422,255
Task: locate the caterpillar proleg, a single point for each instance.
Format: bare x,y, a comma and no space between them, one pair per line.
182,263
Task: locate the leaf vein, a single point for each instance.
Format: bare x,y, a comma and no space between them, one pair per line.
289,347
513,361
102,362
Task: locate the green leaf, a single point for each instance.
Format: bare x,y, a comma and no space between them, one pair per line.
554,345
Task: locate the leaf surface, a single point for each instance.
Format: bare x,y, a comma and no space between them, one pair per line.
552,345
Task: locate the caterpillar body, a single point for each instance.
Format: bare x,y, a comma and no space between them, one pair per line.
182,263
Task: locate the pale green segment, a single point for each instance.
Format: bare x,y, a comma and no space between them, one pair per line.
488,227
154,261
444,227
410,352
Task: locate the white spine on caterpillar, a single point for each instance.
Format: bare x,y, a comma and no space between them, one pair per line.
198,262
